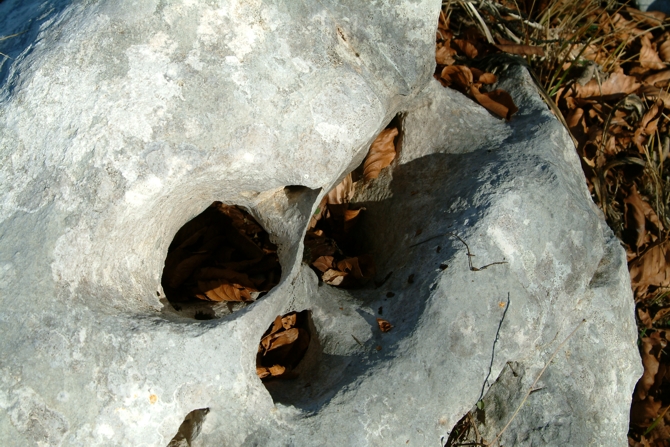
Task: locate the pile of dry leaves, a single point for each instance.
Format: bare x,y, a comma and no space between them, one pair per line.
603,68
220,255
283,346
330,246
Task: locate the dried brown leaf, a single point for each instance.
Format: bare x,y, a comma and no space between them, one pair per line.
654,93
288,321
333,277
649,57
384,325
444,55
279,339
360,267
635,209
617,83
465,48
651,268
521,50
648,351
458,76
498,102
221,290
657,77
276,370
381,154
664,49
262,372
645,318
323,263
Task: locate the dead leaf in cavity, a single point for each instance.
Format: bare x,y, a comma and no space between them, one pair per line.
617,83
360,267
521,50
457,75
651,268
444,55
276,370
342,193
333,277
649,58
384,325
262,372
221,290
645,318
350,217
277,325
498,102
240,219
279,339
657,77
185,268
464,47
323,263
288,321
381,154
229,275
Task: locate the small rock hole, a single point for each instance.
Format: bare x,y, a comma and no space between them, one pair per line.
333,244
219,262
189,429
283,346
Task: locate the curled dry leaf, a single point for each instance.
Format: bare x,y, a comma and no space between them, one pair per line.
649,57
279,339
323,263
465,48
276,370
384,325
333,277
381,154
498,102
458,76
649,350
445,55
360,267
221,290
661,76
262,372
664,49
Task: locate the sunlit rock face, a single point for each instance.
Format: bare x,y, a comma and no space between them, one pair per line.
120,121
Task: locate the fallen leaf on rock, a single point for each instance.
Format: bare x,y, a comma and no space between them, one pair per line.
381,154
498,102
384,325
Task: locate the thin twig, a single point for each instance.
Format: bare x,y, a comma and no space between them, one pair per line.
530,390
467,247
493,351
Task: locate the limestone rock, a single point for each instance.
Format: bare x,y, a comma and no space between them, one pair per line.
122,120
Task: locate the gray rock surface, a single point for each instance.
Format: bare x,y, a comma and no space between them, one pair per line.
122,120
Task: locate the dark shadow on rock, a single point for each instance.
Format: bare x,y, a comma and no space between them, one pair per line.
24,20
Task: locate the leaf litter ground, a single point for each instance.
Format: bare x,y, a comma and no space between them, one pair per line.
603,69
